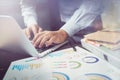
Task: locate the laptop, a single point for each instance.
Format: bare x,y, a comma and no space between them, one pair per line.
13,39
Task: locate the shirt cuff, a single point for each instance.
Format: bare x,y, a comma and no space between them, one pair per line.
71,29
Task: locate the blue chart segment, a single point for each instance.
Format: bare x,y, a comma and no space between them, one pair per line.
90,59
58,54
60,76
21,67
95,76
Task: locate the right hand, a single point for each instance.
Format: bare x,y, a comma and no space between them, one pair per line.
48,38
32,30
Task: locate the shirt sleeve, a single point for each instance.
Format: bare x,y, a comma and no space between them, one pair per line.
28,9
83,16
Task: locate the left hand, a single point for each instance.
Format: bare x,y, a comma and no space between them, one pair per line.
32,29
49,37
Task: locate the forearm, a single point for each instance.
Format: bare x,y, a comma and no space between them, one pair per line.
72,27
28,9
83,17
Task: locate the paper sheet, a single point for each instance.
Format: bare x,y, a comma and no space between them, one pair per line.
102,36
64,65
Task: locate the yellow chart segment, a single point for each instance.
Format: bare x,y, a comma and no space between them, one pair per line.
60,76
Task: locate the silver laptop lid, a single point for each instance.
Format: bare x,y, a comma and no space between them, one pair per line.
12,38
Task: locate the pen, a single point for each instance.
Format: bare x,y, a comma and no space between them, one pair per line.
72,43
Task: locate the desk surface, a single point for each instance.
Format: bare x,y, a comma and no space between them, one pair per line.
7,57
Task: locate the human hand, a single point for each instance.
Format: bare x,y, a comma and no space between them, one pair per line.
32,30
49,37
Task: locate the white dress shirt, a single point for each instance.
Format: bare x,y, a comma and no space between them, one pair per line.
78,14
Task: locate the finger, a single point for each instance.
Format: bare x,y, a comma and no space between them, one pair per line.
40,30
35,29
49,42
28,32
37,42
36,36
43,41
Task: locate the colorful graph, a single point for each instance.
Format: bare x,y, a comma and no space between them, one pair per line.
60,76
21,67
95,76
60,64
74,64
65,64
90,59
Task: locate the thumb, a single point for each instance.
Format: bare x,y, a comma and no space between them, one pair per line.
35,29
28,32
40,29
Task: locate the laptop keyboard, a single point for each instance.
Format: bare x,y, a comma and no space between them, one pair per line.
44,48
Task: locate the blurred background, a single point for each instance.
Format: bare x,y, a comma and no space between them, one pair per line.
12,8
